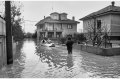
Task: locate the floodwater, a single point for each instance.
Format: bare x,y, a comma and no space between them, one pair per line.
34,61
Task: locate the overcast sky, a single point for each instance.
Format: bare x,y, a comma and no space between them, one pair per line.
33,11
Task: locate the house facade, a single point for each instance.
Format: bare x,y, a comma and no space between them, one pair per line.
107,19
56,25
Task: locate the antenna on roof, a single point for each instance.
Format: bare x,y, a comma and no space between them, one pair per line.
52,7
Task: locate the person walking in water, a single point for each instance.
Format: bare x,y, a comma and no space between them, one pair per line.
69,45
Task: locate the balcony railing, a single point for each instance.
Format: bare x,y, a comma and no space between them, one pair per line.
55,29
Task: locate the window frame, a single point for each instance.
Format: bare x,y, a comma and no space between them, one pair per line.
99,24
69,26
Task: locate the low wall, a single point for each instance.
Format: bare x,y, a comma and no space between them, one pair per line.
3,55
100,51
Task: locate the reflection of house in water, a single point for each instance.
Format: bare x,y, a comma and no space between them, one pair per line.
109,17
56,25
69,61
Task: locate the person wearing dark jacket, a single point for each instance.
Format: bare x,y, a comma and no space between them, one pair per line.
69,45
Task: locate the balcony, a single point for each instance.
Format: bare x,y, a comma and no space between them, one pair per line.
55,29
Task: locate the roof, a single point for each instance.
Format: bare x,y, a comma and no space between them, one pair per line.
54,13
63,13
58,13
107,10
50,20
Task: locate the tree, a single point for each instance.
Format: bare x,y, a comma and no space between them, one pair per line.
79,37
91,32
34,34
16,19
28,35
98,36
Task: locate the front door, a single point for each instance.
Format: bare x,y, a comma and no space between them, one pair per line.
50,34
58,34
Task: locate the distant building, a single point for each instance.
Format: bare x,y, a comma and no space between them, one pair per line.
108,17
56,25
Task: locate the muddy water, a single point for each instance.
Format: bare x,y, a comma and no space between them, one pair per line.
34,61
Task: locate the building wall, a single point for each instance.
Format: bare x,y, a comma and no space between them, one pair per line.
67,31
3,59
63,17
59,16
55,16
115,25
105,23
59,28
87,24
53,26
63,28
110,22
2,27
49,26
38,30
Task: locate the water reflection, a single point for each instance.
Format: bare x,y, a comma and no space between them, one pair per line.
51,57
101,67
69,61
14,70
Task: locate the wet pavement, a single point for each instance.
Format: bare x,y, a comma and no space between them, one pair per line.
34,61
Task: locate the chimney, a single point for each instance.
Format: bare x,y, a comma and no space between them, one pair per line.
73,18
113,3
44,17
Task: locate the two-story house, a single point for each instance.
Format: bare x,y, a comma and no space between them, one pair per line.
56,25
108,18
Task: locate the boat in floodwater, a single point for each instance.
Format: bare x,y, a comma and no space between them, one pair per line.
47,43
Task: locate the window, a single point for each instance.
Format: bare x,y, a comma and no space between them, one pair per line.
69,35
98,24
69,26
61,26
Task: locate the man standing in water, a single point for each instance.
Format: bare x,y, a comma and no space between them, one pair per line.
69,45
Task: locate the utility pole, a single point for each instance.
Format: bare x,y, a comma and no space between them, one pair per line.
8,32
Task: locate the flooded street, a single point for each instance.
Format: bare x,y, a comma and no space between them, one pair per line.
34,61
